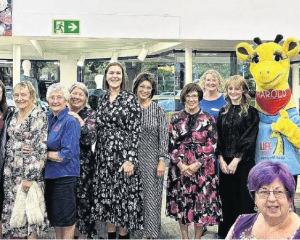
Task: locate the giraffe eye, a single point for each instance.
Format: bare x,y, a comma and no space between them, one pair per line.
278,57
255,59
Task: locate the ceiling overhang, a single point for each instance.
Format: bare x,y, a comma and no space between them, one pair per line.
57,48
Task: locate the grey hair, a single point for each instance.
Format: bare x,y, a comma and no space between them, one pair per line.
81,86
58,87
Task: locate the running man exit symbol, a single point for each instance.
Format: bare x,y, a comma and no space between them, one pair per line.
66,26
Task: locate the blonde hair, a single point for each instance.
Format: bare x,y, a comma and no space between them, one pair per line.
27,84
239,81
215,75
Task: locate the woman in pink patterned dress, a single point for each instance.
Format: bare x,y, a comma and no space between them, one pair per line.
192,183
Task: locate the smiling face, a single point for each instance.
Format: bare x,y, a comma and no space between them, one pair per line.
192,102
211,83
78,98
273,205
235,93
57,102
114,77
22,98
144,90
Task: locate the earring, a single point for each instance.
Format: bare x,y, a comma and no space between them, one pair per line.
255,209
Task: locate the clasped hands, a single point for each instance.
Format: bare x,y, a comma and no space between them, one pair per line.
26,185
229,168
189,170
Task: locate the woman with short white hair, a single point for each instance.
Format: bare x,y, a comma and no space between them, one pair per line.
62,167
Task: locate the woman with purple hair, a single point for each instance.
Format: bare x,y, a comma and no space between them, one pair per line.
273,189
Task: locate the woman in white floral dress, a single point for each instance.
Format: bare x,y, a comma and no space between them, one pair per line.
25,158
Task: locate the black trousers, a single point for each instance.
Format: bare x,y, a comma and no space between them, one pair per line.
234,195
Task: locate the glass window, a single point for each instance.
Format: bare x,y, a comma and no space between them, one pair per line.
6,72
45,72
243,69
168,69
203,61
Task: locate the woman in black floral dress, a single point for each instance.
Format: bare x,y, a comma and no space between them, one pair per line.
118,200
87,119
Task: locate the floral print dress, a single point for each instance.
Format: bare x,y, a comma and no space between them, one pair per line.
18,167
118,198
87,170
193,199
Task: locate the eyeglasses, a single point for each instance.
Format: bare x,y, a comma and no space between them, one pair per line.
194,96
58,98
266,193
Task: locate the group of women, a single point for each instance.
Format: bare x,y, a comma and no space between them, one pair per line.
119,183
50,172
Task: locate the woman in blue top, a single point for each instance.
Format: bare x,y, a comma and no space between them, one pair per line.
62,167
213,100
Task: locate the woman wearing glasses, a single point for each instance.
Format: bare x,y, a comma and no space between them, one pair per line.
63,165
273,189
192,182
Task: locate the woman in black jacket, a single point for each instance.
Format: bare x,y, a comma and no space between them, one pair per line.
237,127
5,116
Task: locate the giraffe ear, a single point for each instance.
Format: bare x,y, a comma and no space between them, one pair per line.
291,47
244,51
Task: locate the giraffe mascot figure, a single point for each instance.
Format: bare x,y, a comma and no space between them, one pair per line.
279,128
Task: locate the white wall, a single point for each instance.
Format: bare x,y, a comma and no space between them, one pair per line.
68,72
162,19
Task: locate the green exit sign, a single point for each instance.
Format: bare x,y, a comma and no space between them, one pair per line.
66,26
